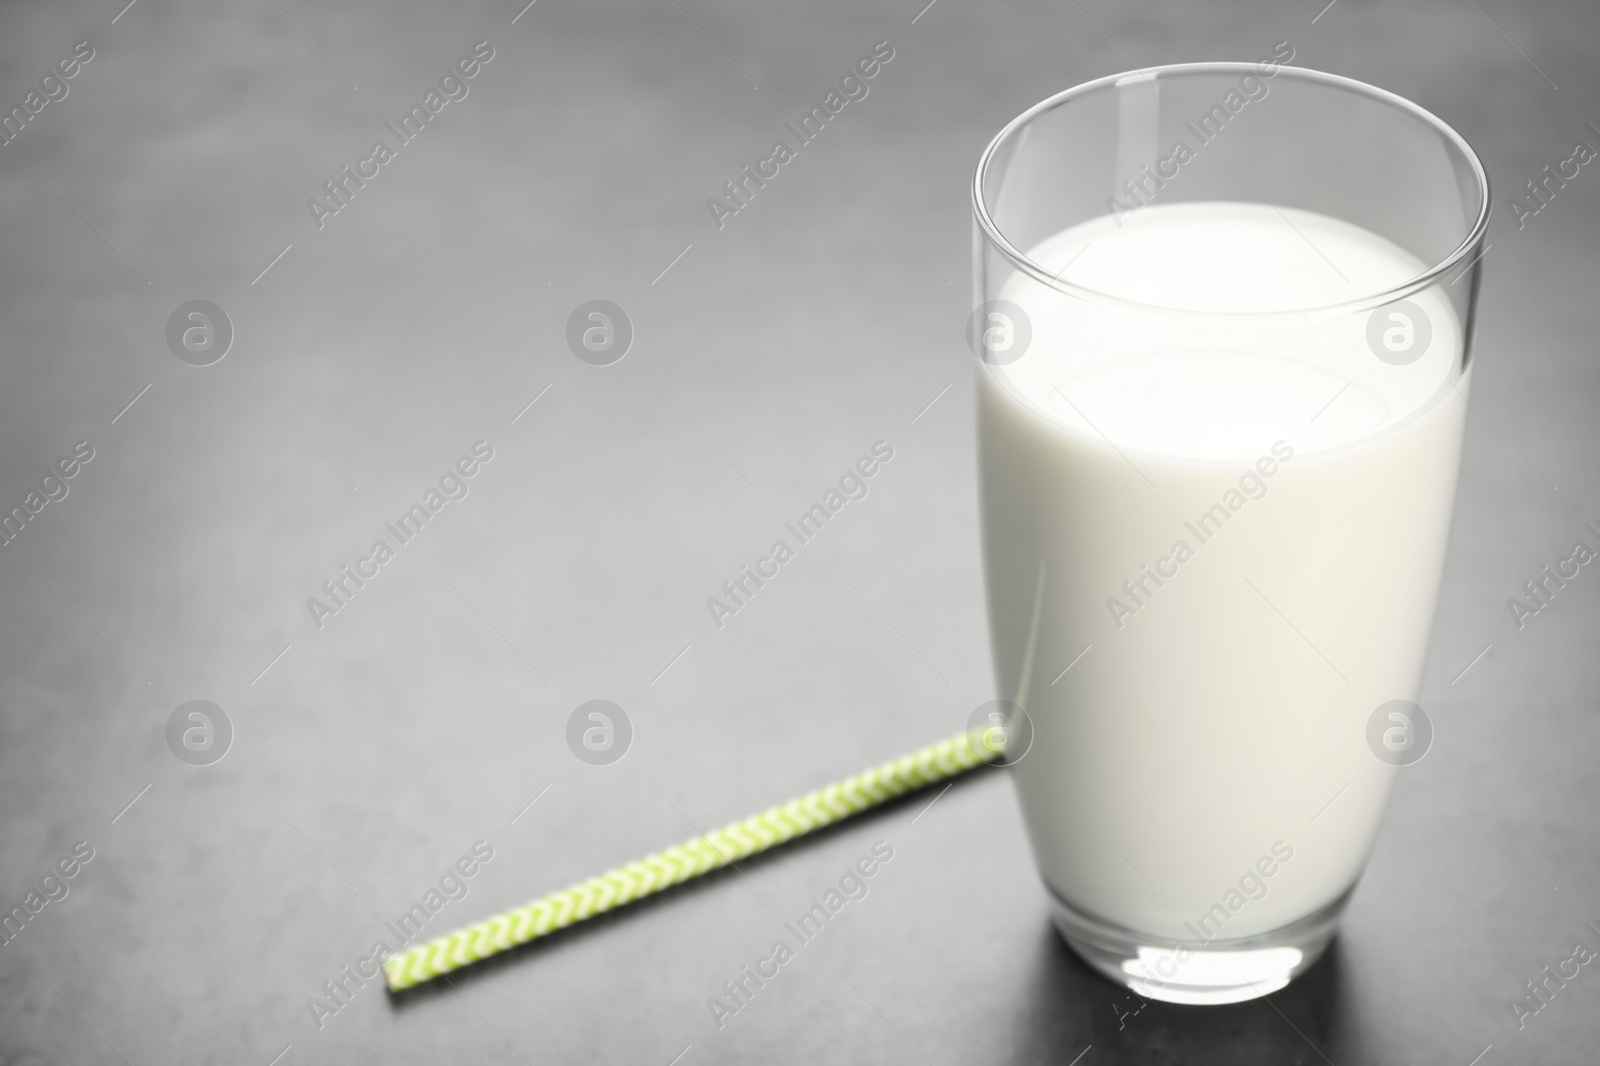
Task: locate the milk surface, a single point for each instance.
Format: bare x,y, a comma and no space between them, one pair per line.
1244,522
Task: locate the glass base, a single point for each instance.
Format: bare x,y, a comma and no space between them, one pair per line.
1216,971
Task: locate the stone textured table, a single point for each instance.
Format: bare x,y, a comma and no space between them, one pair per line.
425,711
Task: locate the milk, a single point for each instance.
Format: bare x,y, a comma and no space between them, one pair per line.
1218,716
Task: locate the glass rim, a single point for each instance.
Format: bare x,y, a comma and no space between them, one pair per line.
1412,285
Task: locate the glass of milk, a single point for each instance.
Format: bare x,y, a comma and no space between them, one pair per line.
1222,326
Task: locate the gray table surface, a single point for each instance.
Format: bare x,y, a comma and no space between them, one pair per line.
372,753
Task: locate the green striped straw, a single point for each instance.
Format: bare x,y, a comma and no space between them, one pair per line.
692,858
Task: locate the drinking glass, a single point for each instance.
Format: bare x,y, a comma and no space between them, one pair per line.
1222,332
